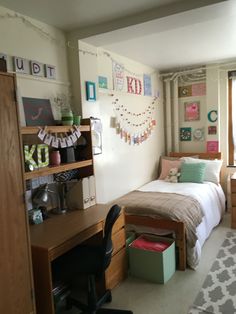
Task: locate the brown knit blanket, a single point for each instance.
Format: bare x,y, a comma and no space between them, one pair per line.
165,205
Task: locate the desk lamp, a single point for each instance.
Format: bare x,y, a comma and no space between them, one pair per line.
41,197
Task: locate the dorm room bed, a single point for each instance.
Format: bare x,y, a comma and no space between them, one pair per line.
191,213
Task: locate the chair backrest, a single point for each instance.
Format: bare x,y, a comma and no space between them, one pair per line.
111,218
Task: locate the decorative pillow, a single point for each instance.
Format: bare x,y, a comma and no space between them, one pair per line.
192,172
160,162
168,158
213,167
166,165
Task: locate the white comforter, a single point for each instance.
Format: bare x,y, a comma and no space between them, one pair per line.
212,200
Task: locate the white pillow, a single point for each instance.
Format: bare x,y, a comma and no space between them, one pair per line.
213,167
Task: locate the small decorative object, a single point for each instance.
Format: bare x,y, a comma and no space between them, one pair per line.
67,117
42,155
212,129
102,82
37,68
192,111
212,116
199,89
118,75
35,216
21,65
134,85
147,85
173,175
50,71
37,111
38,152
55,158
185,91
185,134
29,160
90,91
212,146
198,134
76,119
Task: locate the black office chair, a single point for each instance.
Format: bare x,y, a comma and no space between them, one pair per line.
91,261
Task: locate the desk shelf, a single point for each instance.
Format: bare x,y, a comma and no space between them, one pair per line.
29,137
57,169
52,129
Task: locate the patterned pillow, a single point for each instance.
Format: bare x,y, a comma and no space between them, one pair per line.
192,172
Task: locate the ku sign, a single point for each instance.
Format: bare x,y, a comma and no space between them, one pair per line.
134,85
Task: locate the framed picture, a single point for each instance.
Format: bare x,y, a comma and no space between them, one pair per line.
37,111
212,129
212,146
192,111
198,134
90,91
102,82
185,134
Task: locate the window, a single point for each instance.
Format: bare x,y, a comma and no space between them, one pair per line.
232,118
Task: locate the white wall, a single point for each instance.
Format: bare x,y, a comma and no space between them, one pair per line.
121,167
27,38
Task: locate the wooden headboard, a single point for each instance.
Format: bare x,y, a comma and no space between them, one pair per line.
201,155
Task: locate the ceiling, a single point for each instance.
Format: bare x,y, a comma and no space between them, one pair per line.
164,34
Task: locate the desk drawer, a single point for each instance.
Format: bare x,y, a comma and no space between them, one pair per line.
233,186
118,240
233,199
117,271
119,223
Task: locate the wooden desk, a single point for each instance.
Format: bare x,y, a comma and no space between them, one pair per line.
58,235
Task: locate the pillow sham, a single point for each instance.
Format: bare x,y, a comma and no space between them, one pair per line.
192,172
166,165
213,167
160,162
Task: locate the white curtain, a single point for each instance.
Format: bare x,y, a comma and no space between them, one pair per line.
234,113
171,83
171,115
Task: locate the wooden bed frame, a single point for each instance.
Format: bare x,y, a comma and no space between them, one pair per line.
177,226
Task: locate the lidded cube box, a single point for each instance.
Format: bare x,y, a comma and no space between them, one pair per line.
152,258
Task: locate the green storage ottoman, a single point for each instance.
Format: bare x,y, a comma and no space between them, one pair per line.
154,266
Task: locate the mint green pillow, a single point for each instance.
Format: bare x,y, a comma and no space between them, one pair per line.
192,172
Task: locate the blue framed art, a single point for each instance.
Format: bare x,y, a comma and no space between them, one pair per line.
90,91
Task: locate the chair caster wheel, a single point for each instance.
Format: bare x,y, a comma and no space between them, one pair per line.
109,297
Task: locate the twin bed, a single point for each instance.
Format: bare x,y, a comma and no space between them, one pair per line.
188,210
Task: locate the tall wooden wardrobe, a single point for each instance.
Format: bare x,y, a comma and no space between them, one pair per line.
16,287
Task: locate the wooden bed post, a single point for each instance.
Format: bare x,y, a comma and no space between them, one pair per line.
176,226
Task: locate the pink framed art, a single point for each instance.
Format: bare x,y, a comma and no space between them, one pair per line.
192,111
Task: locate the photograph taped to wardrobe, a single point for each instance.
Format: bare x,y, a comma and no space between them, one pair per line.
96,127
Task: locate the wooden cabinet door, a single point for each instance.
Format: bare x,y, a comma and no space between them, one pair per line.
15,260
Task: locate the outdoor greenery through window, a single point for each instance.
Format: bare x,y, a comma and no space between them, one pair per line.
232,119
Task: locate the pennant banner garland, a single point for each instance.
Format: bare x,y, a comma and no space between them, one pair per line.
63,141
134,127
